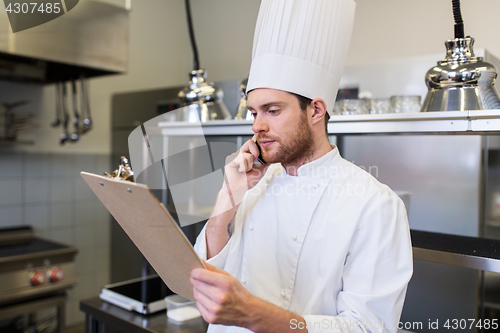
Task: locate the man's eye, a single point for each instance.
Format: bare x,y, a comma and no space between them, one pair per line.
254,114
273,111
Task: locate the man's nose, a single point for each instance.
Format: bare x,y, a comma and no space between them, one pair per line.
259,125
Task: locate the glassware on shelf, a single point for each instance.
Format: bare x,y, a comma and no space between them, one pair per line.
350,106
405,104
379,105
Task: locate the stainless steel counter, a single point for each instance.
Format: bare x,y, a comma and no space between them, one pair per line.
104,317
462,251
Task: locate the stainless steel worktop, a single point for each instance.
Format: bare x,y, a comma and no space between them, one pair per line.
102,316
462,251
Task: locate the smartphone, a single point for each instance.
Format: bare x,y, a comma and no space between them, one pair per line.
260,159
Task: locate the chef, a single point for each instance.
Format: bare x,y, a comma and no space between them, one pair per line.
307,241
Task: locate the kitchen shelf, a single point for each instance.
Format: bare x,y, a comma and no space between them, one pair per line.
463,251
446,122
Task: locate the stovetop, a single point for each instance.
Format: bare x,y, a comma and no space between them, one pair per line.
31,267
19,248
33,246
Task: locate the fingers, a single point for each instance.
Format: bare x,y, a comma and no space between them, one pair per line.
205,313
206,306
251,147
247,163
204,292
244,159
243,162
215,269
210,277
241,171
220,298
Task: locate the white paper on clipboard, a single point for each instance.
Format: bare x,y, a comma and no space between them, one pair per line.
152,229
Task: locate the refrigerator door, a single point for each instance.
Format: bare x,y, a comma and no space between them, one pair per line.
443,174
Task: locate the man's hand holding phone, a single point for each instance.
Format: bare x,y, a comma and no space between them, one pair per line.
241,172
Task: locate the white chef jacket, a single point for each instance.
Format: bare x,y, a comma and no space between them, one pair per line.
331,244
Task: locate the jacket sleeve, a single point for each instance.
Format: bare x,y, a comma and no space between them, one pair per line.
219,260
376,272
200,247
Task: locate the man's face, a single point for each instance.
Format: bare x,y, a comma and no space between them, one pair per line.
282,128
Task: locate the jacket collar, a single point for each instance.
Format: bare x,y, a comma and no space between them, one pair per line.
318,168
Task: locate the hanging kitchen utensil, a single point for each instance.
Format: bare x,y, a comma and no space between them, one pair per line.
57,121
64,136
462,81
76,117
85,103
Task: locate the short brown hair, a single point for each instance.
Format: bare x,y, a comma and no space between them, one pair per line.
304,102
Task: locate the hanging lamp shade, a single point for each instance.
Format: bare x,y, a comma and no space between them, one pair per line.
462,81
201,101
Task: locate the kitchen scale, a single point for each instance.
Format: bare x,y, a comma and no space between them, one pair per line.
143,295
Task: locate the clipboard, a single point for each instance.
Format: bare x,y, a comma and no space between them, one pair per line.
152,229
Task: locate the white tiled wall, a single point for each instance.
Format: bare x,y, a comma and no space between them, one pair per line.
47,192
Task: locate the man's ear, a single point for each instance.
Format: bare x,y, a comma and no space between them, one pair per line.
318,106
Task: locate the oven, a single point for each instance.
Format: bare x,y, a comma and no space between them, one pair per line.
34,276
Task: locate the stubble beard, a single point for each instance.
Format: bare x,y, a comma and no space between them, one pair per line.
294,150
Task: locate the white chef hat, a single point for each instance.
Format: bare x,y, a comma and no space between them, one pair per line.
300,46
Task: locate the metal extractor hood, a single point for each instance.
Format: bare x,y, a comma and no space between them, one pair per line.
90,40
